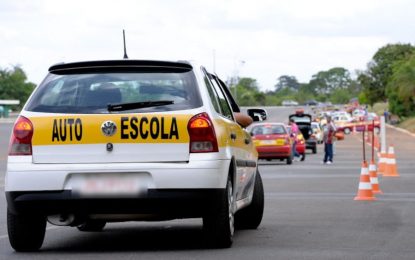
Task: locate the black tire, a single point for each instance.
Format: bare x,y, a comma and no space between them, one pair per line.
302,156
289,160
92,225
251,216
26,231
314,149
219,224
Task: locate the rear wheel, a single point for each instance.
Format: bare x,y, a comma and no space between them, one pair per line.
92,225
251,216
219,224
26,231
289,160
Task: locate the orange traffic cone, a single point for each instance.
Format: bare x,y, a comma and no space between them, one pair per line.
376,143
390,167
382,163
365,187
374,178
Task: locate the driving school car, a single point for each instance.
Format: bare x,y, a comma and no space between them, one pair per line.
272,141
126,140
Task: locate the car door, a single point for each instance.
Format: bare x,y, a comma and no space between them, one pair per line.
242,148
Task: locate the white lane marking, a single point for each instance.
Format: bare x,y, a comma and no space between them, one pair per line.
48,228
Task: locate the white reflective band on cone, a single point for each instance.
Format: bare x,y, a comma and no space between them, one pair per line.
391,150
372,168
365,186
392,161
364,171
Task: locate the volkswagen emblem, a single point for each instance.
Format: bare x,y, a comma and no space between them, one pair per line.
108,128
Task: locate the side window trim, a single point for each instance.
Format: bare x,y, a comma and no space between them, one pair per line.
217,86
231,100
215,98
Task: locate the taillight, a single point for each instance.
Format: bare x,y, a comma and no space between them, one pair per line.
202,134
21,138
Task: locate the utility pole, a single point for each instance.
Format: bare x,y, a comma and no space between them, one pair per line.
235,78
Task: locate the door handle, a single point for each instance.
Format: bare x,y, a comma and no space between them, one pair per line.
233,136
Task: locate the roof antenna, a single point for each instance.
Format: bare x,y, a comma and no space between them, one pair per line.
125,49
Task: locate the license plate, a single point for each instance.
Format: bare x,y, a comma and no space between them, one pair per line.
280,142
110,185
267,142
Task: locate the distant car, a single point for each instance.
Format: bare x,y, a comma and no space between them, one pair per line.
304,124
311,103
289,103
344,123
317,131
368,122
358,114
272,141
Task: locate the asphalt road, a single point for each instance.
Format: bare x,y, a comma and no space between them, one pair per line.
309,214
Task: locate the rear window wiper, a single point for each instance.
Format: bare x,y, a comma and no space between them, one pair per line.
136,105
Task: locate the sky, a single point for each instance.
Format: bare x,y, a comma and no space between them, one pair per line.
261,39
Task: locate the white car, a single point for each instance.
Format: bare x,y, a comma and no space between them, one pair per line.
125,140
289,103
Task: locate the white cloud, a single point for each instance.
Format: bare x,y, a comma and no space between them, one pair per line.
296,37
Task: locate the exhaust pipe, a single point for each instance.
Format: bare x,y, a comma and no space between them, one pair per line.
61,219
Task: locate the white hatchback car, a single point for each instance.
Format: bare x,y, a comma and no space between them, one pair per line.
122,140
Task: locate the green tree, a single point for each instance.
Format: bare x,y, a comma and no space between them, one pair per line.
325,82
14,85
379,70
247,92
287,82
400,89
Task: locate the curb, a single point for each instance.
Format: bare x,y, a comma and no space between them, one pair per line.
400,130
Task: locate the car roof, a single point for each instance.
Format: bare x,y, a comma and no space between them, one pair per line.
125,64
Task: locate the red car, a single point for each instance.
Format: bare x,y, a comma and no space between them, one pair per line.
272,141
367,123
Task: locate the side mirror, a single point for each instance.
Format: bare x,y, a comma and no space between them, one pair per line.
257,114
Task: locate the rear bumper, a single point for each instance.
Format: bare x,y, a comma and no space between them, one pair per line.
170,203
274,152
311,143
300,149
195,174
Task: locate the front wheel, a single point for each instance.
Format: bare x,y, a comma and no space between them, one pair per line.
26,231
219,223
251,216
289,160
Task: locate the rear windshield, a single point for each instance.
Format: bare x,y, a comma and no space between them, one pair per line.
268,130
301,119
91,93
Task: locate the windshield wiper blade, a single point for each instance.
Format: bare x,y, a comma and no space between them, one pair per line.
136,105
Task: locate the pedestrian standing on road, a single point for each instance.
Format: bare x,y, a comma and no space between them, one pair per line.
294,134
386,115
328,139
